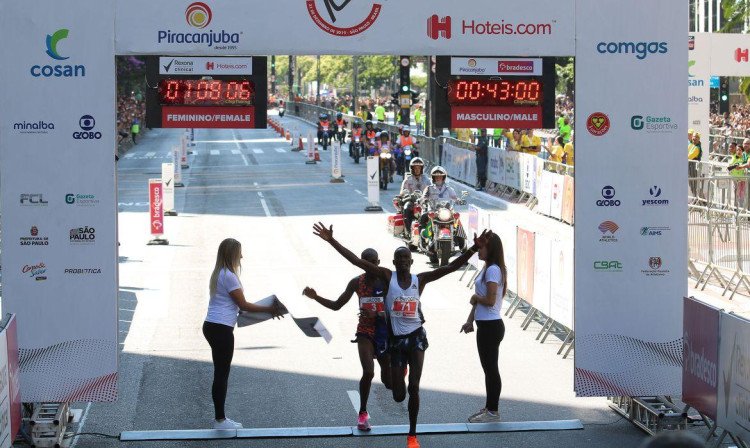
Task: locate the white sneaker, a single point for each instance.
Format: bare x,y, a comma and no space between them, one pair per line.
227,423
486,417
478,413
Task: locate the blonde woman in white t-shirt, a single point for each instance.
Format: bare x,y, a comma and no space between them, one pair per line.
227,299
489,290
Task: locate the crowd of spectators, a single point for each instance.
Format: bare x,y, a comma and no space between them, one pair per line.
131,110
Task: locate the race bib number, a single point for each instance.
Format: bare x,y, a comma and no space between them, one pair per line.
405,307
372,304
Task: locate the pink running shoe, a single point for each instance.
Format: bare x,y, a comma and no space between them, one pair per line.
363,422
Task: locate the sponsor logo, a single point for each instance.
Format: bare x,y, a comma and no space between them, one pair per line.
57,70
515,66
32,199
654,231
697,364
355,20
198,15
653,124
437,27
209,65
83,235
87,123
33,127
608,229
742,55
473,63
655,193
598,124
83,200
641,50
83,271
36,271
655,268
608,193
607,266
34,239
166,67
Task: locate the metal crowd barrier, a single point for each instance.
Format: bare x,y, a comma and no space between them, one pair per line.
719,232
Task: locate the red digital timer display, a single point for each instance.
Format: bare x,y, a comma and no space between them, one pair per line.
201,92
517,92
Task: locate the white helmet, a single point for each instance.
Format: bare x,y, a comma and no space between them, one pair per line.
438,171
406,129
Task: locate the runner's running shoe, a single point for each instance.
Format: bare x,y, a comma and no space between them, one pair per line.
412,442
363,422
227,423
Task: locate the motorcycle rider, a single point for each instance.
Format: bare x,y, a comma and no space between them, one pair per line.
356,132
415,181
384,145
438,190
323,123
406,139
340,123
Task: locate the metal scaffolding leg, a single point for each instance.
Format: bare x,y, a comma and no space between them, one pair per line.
568,339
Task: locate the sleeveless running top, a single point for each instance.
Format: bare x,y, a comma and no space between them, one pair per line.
370,297
402,306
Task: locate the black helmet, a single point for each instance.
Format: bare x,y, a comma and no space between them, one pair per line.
339,115
324,116
357,123
368,123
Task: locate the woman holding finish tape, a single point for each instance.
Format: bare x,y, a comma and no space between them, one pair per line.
489,290
227,299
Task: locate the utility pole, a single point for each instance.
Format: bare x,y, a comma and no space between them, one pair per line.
291,77
273,75
355,64
317,96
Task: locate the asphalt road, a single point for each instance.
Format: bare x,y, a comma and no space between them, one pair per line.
246,184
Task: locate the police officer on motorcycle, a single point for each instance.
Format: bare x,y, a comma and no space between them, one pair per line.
340,124
415,181
323,122
438,190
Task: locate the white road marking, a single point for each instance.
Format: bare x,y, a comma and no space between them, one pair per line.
244,159
214,152
255,184
80,426
258,151
150,154
265,207
236,152
354,398
359,192
280,150
129,155
260,194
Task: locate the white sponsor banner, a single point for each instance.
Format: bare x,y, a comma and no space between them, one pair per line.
561,276
734,376
699,84
557,194
373,180
167,178
471,229
63,291
311,143
623,73
542,273
496,66
336,160
176,155
496,166
460,163
205,66
184,152
529,175
730,54
436,27
544,194
509,235
512,170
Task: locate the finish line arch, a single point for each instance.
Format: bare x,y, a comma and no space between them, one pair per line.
59,69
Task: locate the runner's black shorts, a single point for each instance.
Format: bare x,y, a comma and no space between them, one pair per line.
401,347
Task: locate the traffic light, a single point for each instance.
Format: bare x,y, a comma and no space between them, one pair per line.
414,97
394,101
723,95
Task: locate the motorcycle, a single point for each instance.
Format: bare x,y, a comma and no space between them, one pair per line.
444,235
340,133
409,236
281,111
404,159
385,168
325,139
356,149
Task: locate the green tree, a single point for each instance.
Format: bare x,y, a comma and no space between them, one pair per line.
565,69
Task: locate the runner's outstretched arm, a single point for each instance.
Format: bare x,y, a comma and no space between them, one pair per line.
326,234
435,274
330,304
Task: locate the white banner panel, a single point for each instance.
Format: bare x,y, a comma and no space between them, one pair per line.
434,27
699,84
512,170
544,194
205,66
58,195
630,108
509,234
496,166
542,273
734,376
496,66
730,54
557,195
460,163
167,178
528,165
561,277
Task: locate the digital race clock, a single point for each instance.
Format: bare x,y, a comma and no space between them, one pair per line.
511,92
210,92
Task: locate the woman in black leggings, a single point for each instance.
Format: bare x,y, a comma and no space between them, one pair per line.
489,290
227,299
